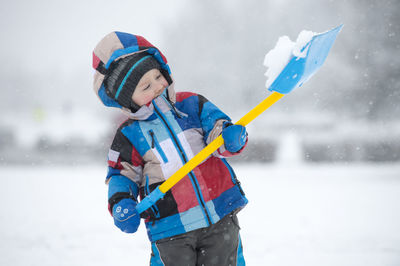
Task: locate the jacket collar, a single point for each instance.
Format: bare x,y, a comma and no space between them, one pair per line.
163,103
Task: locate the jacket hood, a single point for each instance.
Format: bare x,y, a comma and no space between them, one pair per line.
116,45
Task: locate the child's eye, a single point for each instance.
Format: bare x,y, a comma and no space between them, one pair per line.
147,87
158,76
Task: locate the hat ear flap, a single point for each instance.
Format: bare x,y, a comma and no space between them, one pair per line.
134,107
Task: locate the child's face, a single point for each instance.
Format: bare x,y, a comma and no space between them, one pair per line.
151,85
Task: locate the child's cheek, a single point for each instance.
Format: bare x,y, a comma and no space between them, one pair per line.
148,98
165,84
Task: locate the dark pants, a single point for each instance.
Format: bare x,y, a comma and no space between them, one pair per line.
218,244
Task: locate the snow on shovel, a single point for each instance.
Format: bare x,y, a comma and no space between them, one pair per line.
290,65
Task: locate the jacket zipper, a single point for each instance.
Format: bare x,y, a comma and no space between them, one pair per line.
147,192
233,176
156,144
183,156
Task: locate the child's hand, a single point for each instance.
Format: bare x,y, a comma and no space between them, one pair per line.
234,136
126,216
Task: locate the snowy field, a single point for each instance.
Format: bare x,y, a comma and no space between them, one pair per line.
305,215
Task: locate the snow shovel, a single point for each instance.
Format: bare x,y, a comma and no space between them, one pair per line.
294,74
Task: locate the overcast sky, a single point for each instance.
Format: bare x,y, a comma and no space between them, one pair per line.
36,32
50,43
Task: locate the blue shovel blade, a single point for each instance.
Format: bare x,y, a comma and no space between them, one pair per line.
299,70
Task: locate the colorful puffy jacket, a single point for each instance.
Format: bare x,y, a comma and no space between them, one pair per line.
160,138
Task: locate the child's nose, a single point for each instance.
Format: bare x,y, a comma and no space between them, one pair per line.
160,87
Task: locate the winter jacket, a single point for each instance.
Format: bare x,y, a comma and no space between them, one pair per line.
160,138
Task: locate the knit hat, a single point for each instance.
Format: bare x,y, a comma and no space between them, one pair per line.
124,74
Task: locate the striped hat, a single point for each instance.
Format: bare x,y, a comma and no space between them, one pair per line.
124,74
113,58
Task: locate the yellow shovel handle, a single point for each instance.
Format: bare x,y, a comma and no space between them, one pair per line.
216,143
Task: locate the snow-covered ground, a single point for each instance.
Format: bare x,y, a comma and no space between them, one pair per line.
301,215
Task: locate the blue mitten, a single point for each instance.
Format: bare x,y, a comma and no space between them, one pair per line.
234,136
126,216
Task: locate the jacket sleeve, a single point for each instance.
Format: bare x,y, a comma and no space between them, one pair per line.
212,119
125,167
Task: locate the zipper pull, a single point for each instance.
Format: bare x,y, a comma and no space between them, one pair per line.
146,186
176,111
152,138
173,107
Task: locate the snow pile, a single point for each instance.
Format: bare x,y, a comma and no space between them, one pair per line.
290,150
277,58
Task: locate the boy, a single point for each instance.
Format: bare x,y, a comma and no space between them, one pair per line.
195,223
